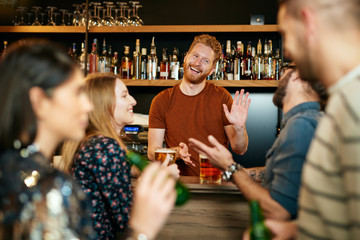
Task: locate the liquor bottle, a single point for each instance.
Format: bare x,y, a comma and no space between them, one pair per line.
143,64
152,62
136,60
115,64
238,61
181,60
258,230
126,64
266,61
219,67
82,59
270,63
278,62
140,162
93,60
74,54
259,62
103,60
229,62
109,57
249,60
3,53
164,65
175,65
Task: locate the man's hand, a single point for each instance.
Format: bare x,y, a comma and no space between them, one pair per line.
239,109
183,153
217,154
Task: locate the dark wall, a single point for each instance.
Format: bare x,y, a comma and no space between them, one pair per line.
262,119
175,12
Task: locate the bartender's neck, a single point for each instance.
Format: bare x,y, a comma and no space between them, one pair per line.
191,89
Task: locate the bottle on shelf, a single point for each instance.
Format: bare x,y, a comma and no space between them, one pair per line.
82,59
249,60
143,64
269,63
258,230
175,65
3,53
164,65
104,64
140,162
136,61
259,62
93,59
219,67
115,64
152,61
278,62
74,52
181,60
239,61
229,62
126,64
109,57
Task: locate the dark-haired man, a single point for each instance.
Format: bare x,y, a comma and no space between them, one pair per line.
279,194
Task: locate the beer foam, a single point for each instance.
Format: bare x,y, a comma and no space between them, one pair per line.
165,150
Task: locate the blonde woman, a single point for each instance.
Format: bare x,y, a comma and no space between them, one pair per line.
98,162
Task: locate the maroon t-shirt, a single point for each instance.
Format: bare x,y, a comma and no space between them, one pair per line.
196,116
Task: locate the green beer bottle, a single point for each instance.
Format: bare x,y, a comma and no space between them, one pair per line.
140,162
258,230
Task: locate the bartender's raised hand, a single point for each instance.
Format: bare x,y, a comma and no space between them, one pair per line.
154,198
173,168
239,109
184,154
218,155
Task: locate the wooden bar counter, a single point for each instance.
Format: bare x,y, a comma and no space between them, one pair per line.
213,212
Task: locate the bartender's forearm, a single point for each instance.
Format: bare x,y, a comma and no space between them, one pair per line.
240,140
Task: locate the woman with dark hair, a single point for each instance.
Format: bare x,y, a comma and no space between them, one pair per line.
43,103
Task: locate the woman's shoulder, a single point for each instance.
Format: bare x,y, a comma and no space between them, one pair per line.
99,141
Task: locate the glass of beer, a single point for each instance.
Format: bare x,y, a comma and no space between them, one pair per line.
208,173
161,153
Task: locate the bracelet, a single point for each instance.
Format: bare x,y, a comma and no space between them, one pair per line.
228,173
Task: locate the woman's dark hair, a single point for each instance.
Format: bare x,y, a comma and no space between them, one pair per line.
27,64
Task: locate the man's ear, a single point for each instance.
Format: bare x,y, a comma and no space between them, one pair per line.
39,101
309,21
212,70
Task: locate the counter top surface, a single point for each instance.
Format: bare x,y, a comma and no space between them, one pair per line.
193,182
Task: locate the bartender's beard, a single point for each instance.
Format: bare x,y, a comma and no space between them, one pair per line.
194,79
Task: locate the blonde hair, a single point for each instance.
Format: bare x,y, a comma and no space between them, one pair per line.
100,90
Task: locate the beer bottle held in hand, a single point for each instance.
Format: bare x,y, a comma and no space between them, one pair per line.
140,162
258,230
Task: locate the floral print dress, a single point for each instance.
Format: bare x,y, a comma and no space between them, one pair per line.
104,174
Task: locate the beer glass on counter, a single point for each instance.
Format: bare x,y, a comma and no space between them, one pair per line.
208,173
161,153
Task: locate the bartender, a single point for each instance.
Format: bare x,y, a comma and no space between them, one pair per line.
196,108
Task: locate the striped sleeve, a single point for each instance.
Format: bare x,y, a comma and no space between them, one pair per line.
330,193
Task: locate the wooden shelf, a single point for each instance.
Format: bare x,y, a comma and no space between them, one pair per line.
42,29
223,83
185,28
142,29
